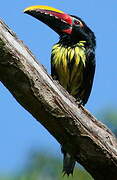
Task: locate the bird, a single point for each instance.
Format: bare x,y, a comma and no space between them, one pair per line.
72,58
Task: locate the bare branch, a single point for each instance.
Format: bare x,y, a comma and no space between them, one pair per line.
88,140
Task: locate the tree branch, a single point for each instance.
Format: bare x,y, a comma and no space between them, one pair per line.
88,140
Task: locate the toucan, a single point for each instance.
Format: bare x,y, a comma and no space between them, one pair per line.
72,58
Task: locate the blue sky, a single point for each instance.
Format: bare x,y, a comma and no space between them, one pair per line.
19,131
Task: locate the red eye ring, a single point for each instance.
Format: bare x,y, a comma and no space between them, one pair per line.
76,22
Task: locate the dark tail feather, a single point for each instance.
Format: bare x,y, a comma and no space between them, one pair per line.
68,163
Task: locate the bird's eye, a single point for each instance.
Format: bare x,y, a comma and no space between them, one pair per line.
76,22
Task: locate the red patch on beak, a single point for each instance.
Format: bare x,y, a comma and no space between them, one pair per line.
67,19
68,31
64,17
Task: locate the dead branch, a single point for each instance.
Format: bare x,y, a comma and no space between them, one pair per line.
88,140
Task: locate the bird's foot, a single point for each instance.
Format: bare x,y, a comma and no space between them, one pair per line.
79,102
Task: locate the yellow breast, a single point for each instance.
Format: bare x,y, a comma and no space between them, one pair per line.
69,63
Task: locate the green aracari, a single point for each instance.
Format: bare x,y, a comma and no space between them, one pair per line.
72,58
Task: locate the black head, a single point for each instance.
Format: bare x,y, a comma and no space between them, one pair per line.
79,31
67,26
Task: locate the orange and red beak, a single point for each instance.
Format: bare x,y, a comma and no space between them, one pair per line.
57,20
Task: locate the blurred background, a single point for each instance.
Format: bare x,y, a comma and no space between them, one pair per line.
27,150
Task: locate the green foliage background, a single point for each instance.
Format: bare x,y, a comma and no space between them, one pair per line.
45,167
42,166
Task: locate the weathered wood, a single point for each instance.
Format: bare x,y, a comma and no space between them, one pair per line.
88,140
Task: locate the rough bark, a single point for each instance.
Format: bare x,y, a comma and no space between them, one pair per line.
88,140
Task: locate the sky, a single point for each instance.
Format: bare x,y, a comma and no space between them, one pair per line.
20,133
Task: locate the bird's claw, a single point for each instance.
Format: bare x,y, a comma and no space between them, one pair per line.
79,102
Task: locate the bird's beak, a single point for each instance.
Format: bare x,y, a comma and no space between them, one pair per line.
57,20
